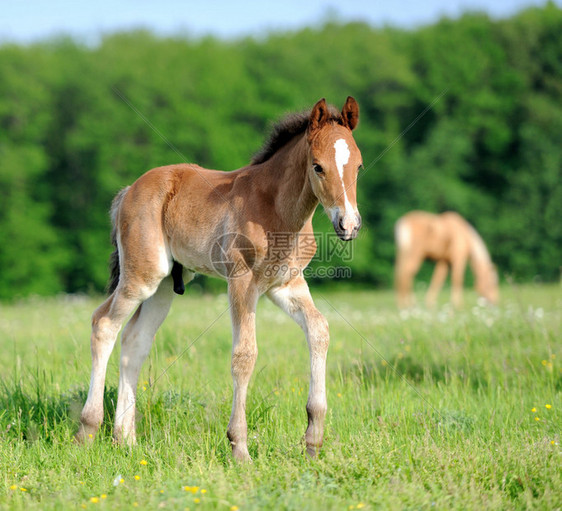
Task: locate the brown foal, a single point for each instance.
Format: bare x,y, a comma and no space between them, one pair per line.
180,219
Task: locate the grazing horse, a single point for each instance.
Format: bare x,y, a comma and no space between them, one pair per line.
447,239
252,227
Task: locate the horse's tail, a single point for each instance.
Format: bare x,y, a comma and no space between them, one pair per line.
114,258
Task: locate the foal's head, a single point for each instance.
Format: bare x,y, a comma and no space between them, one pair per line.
334,162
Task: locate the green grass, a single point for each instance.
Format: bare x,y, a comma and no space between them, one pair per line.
426,410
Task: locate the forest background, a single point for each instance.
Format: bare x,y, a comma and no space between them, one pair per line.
461,115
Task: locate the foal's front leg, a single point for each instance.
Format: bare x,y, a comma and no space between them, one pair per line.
294,298
243,298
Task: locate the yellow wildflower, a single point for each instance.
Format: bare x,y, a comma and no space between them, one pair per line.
14,487
94,500
103,496
360,505
548,407
537,419
90,435
143,462
543,362
194,489
533,409
23,489
234,508
137,478
187,488
339,394
203,491
196,500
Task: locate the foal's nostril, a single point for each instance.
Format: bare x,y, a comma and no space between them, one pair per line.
340,224
359,222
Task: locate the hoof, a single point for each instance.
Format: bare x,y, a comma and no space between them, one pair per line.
242,458
119,438
312,451
85,435
241,454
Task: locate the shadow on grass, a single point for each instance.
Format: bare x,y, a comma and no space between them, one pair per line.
33,414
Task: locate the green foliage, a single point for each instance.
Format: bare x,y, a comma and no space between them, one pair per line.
426,410
463,115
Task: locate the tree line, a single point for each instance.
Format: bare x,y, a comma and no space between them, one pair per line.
463,115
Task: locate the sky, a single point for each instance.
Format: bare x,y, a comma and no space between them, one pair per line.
25,21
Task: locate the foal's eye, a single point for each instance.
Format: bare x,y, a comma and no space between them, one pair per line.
318,169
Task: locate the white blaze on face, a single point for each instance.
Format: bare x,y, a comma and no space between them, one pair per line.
342,157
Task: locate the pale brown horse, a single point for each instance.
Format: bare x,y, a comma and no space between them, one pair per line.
447,239
228,224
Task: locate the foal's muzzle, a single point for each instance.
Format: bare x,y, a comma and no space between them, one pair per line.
347,226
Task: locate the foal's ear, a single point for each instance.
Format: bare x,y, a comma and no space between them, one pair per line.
350,113
318,116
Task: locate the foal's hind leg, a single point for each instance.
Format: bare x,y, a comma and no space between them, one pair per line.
106,323
136,342
294,298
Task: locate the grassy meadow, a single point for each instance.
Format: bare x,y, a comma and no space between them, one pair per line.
427,410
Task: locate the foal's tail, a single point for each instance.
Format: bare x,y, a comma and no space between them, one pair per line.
114,258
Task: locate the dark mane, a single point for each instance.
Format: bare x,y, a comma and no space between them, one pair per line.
286,129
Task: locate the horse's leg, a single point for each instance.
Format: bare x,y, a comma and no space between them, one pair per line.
407,266
106,323
294,298
437,281
458,267
243,296
136,342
